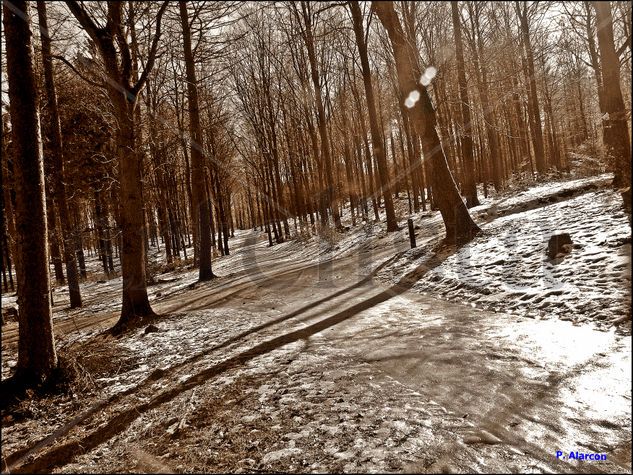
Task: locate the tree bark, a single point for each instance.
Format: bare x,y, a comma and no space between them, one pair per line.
135,299
376,140
36,349
200,204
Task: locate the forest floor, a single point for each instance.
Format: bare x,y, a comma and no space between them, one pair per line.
350,352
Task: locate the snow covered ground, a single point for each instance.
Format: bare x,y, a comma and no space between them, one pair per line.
304,357
506,268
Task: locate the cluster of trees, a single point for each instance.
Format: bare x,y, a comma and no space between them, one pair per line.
174,123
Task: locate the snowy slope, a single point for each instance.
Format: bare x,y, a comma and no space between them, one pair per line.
506,268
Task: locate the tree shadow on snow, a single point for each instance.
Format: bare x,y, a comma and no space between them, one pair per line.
62,454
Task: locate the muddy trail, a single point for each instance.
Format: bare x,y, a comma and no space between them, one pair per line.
290,364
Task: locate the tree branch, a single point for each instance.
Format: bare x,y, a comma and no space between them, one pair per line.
76,71
86,22
114,20
622,48
152,53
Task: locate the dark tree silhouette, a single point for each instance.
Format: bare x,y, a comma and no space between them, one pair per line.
36,349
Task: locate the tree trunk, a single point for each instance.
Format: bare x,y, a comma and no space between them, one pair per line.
200,204
100,232
326,158
114,49
77,238
593,55
470,189
53,236
376,140
135,299
533,105
415,165
59,183
36,349
459,225
8,195
615,130
481,76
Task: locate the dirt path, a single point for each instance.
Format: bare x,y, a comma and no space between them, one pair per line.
488,391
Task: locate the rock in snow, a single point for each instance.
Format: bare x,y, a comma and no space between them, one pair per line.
559,243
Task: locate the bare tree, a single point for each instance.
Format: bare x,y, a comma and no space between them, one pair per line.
200,201
306,16
523,11
376,139
470,190
115,51
57,159
459,225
